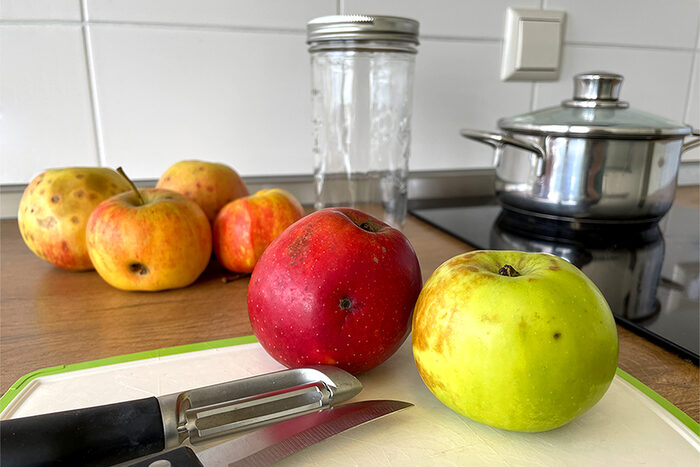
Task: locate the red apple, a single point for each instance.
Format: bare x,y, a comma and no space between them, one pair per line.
149,240
209,184
246,226
338,287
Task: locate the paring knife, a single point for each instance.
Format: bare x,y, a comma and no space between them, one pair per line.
275,442
114,433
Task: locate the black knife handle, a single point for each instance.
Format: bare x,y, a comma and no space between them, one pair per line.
103,435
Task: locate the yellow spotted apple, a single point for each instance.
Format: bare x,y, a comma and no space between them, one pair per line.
519,341
337,288
209,184
151,239
245,227
54,211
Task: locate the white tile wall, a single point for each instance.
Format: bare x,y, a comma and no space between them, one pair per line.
655,81
236,97
228,80
288,14
648,23
45,112
32,10
457,87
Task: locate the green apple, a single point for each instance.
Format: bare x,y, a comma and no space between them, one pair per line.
519,341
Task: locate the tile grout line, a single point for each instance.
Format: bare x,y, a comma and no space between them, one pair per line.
156,24
89,62
535,88
278,30
461,38
661,48
689,89
533,96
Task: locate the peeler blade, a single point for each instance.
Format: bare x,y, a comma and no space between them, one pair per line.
211,412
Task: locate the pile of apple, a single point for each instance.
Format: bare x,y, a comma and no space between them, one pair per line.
335,287
151,239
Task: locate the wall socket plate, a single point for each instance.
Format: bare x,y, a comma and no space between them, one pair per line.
532,45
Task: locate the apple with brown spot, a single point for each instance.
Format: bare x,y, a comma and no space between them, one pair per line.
54,211
337,287
519,341
245,227
209,184
151,239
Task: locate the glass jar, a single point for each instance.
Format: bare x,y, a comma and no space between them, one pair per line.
362,71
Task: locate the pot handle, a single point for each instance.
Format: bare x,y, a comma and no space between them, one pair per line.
693,143
498,140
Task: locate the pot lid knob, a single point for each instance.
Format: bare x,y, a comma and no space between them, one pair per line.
597,89
597,85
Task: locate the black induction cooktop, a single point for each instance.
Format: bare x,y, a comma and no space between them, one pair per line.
648,273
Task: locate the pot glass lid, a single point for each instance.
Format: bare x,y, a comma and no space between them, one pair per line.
595,110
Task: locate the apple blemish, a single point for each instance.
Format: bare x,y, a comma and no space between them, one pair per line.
138,268
47,222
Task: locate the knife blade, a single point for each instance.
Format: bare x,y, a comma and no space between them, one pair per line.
275,442
114,433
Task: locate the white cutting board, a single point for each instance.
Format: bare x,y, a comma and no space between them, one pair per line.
625,428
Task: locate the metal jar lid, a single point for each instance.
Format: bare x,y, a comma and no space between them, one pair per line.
597,112
345,30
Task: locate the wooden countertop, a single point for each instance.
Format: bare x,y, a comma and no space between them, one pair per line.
50,317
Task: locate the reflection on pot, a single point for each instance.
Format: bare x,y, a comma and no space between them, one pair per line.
623,261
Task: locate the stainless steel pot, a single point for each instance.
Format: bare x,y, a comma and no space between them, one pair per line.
590,159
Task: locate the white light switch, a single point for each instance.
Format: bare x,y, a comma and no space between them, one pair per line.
532,48
538,45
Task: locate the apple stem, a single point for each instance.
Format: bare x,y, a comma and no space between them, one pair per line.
133,187
508,270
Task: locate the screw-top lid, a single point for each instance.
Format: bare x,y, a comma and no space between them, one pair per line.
595,111
362,28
